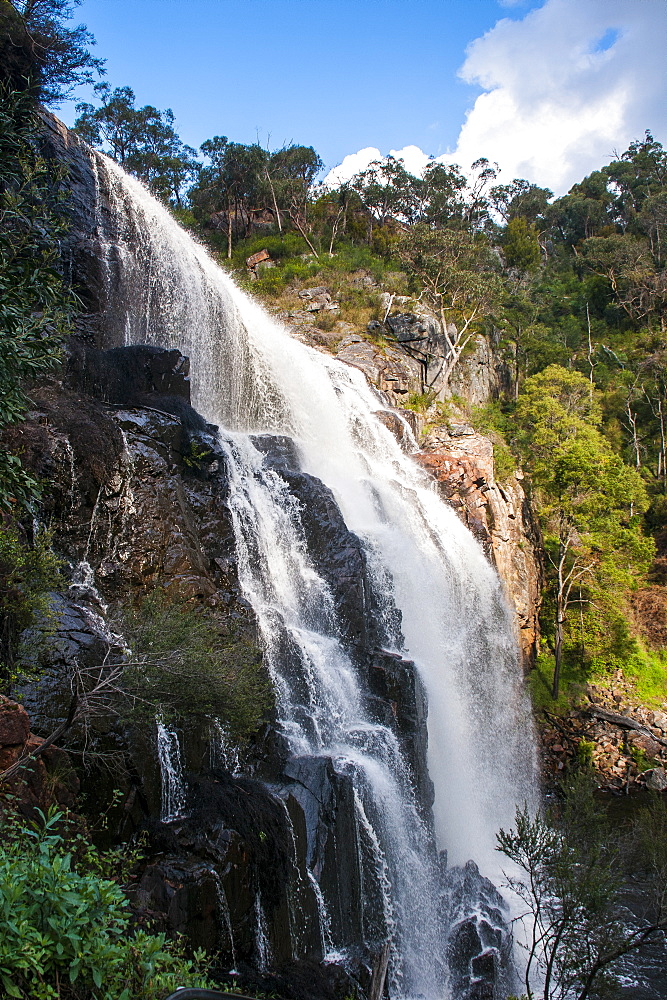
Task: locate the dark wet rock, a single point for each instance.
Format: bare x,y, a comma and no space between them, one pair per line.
337,553
305,979
398,700
212,870
82,254
479,945
325,801
128,375
67,434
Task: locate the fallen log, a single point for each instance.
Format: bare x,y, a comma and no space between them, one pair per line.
624,722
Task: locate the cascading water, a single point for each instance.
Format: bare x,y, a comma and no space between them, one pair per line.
171,772
250,377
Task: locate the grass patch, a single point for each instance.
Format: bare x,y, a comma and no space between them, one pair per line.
540,684
419,402
648,670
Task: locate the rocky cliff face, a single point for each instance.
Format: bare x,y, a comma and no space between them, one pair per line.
132,508
461,461
499,515
138,499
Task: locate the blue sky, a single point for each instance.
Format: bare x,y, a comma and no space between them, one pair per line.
343,75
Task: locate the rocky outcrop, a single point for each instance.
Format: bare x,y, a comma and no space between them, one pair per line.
480,375
499,515
479,947
389,370
46,778
138,499
622,740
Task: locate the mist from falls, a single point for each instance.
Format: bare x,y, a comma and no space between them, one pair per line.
249,376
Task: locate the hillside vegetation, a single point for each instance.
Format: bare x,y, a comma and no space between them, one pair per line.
571,292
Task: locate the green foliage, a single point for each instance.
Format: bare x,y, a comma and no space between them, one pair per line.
419,402
195,454
497,425
648,671
35,306
280,247
574,865
388,191
587,499
456,269
185,661
40,52
585,753
520,245
67,933
27,573
143,140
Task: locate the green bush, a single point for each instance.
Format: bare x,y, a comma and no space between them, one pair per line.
36,306
419,401
186,661
279,247
27,573
67,933
491,421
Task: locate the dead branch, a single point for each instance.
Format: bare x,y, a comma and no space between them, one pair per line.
623,722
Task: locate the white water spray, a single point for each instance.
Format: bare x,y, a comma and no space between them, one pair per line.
249,375
171,772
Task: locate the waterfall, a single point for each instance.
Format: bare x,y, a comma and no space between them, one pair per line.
171,772
251,378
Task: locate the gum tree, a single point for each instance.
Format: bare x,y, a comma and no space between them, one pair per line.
458,274
589,501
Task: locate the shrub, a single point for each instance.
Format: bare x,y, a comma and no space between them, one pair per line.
27,573
66,933
36,307
184,660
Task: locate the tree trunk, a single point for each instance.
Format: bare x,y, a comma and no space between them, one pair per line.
275,203
560,618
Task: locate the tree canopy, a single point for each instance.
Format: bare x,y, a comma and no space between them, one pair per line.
39,51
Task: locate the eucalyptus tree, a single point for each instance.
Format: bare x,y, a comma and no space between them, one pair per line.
589,501
458,272
290,173
45,55
143,140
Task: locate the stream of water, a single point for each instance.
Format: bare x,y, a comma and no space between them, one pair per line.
250,376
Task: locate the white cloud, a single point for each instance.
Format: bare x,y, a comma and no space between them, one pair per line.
352,164
565,86
557,103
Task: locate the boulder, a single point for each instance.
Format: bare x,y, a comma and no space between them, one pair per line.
14,723
133,375
656,779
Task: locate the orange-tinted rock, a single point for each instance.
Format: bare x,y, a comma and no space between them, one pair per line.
14,723
42,782
499,516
